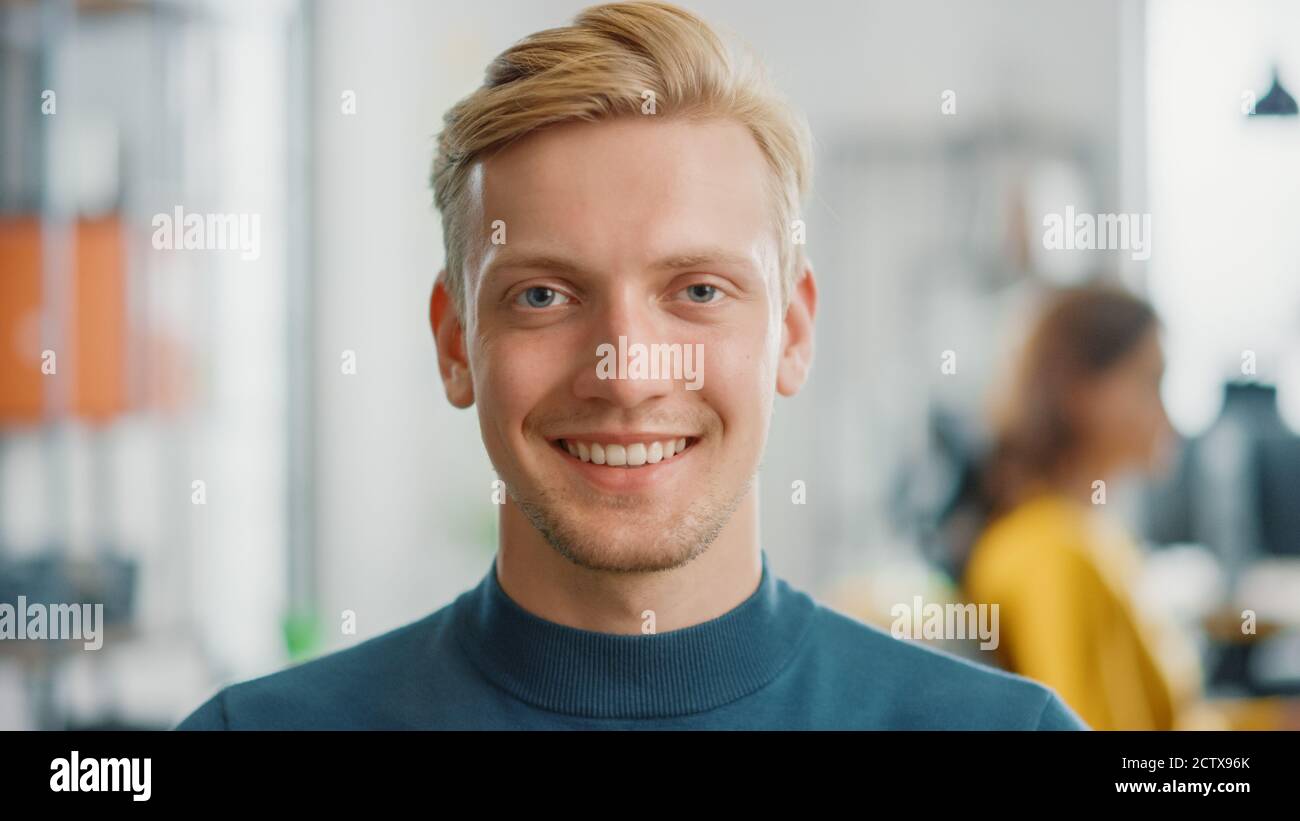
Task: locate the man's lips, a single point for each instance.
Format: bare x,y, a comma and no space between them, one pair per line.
624,450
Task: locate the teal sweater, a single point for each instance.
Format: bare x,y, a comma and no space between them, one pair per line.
779,660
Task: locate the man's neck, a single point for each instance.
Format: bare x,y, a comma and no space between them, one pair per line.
546,584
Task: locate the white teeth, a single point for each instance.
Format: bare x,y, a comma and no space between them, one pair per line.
635,454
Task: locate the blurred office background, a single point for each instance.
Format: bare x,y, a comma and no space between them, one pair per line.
206,461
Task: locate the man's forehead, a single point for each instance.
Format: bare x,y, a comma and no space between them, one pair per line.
642,166
651,194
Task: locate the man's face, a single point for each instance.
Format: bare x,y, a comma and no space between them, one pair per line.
659,231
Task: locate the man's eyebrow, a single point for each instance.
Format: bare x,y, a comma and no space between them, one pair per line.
703,259
547,262
679,261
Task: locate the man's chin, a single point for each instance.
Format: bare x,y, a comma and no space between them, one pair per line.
627,556
631,532
629,540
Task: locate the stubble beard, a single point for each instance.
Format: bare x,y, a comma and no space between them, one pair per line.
641,537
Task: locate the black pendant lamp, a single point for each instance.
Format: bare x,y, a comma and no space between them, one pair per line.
1277,102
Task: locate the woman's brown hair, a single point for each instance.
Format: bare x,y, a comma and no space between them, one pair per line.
1082,333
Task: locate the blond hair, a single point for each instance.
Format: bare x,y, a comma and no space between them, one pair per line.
601,67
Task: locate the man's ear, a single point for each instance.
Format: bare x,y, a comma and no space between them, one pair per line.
449,337
797,335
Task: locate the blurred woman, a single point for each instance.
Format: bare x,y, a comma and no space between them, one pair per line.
1084,407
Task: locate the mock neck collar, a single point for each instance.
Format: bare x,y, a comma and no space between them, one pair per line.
606,675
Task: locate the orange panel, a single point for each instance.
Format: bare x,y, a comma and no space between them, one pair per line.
94,354
20,310
99,335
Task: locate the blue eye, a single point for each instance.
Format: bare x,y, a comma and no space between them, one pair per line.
701,293
541,297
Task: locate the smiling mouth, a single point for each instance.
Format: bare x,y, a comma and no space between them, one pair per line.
631,455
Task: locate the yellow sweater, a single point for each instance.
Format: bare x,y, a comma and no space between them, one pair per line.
1061,576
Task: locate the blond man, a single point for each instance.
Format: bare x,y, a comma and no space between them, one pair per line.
620,202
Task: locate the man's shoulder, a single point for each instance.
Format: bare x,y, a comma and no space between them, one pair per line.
922,686
308,695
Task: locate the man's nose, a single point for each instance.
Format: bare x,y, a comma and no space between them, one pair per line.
623,329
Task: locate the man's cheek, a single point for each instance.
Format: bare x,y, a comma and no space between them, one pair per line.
735,369
519,376
533,368
502,354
